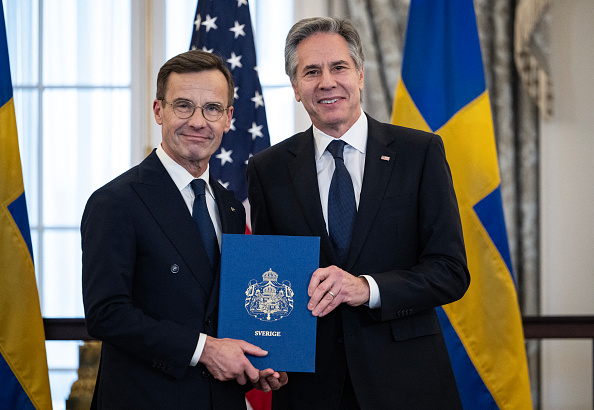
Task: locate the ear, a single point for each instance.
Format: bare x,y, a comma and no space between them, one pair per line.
158,111
228,119
296,91
361,79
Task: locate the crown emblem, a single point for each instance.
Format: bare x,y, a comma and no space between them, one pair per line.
269,300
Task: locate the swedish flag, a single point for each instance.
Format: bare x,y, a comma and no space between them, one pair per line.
24,381
442,89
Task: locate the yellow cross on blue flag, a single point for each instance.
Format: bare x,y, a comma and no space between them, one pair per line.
24,380
442,90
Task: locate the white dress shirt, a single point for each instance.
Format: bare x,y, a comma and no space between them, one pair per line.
354,160
182,178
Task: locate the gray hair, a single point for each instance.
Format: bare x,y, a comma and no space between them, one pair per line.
308,27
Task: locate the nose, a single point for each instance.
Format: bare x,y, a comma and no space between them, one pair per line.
327,80
197,120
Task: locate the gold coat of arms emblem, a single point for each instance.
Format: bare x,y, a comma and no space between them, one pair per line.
269,300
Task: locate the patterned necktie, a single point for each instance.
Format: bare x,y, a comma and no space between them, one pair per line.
341,203
202,218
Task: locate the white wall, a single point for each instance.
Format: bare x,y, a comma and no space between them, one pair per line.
567,204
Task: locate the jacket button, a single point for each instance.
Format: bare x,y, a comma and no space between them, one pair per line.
174,268
207,322
205,374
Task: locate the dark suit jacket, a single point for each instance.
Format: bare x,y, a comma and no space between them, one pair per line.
149,291
407,236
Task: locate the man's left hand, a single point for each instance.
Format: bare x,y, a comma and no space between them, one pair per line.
331,286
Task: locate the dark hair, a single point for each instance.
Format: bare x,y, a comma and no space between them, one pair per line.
308,27
194,61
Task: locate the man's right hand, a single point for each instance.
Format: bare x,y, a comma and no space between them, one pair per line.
225,359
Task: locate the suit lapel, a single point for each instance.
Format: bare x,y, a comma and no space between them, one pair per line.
166,205
305,184
227,204
379,163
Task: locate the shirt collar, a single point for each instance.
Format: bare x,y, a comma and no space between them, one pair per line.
356,136
180,176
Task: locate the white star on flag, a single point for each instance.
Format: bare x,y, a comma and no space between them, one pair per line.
238,29
255,131
258,100
210,23
225,156
207,49
234,61
232,128
242,3
224,184
198,21
235,95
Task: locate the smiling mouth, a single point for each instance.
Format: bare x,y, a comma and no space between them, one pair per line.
196,137
329,101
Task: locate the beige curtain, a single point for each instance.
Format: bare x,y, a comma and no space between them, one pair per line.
515,103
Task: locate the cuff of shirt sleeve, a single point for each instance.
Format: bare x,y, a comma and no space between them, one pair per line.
375,301
199,349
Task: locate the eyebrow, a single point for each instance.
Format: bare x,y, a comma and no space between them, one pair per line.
310,66
190,101
340,62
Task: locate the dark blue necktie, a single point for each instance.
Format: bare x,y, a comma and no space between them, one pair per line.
202,218
342,208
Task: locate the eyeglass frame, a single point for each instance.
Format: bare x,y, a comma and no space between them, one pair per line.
194,107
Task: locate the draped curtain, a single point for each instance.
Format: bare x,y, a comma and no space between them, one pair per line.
519,97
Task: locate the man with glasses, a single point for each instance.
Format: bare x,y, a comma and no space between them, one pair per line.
150,241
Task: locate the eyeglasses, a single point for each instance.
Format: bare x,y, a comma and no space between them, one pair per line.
184,109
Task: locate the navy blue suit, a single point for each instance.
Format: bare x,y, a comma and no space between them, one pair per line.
407,236
149,291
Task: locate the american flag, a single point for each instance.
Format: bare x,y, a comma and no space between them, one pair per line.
224,27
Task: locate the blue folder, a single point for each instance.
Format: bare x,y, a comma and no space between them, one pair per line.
263,298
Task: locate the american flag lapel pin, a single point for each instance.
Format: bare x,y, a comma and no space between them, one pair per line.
232,209
385,158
